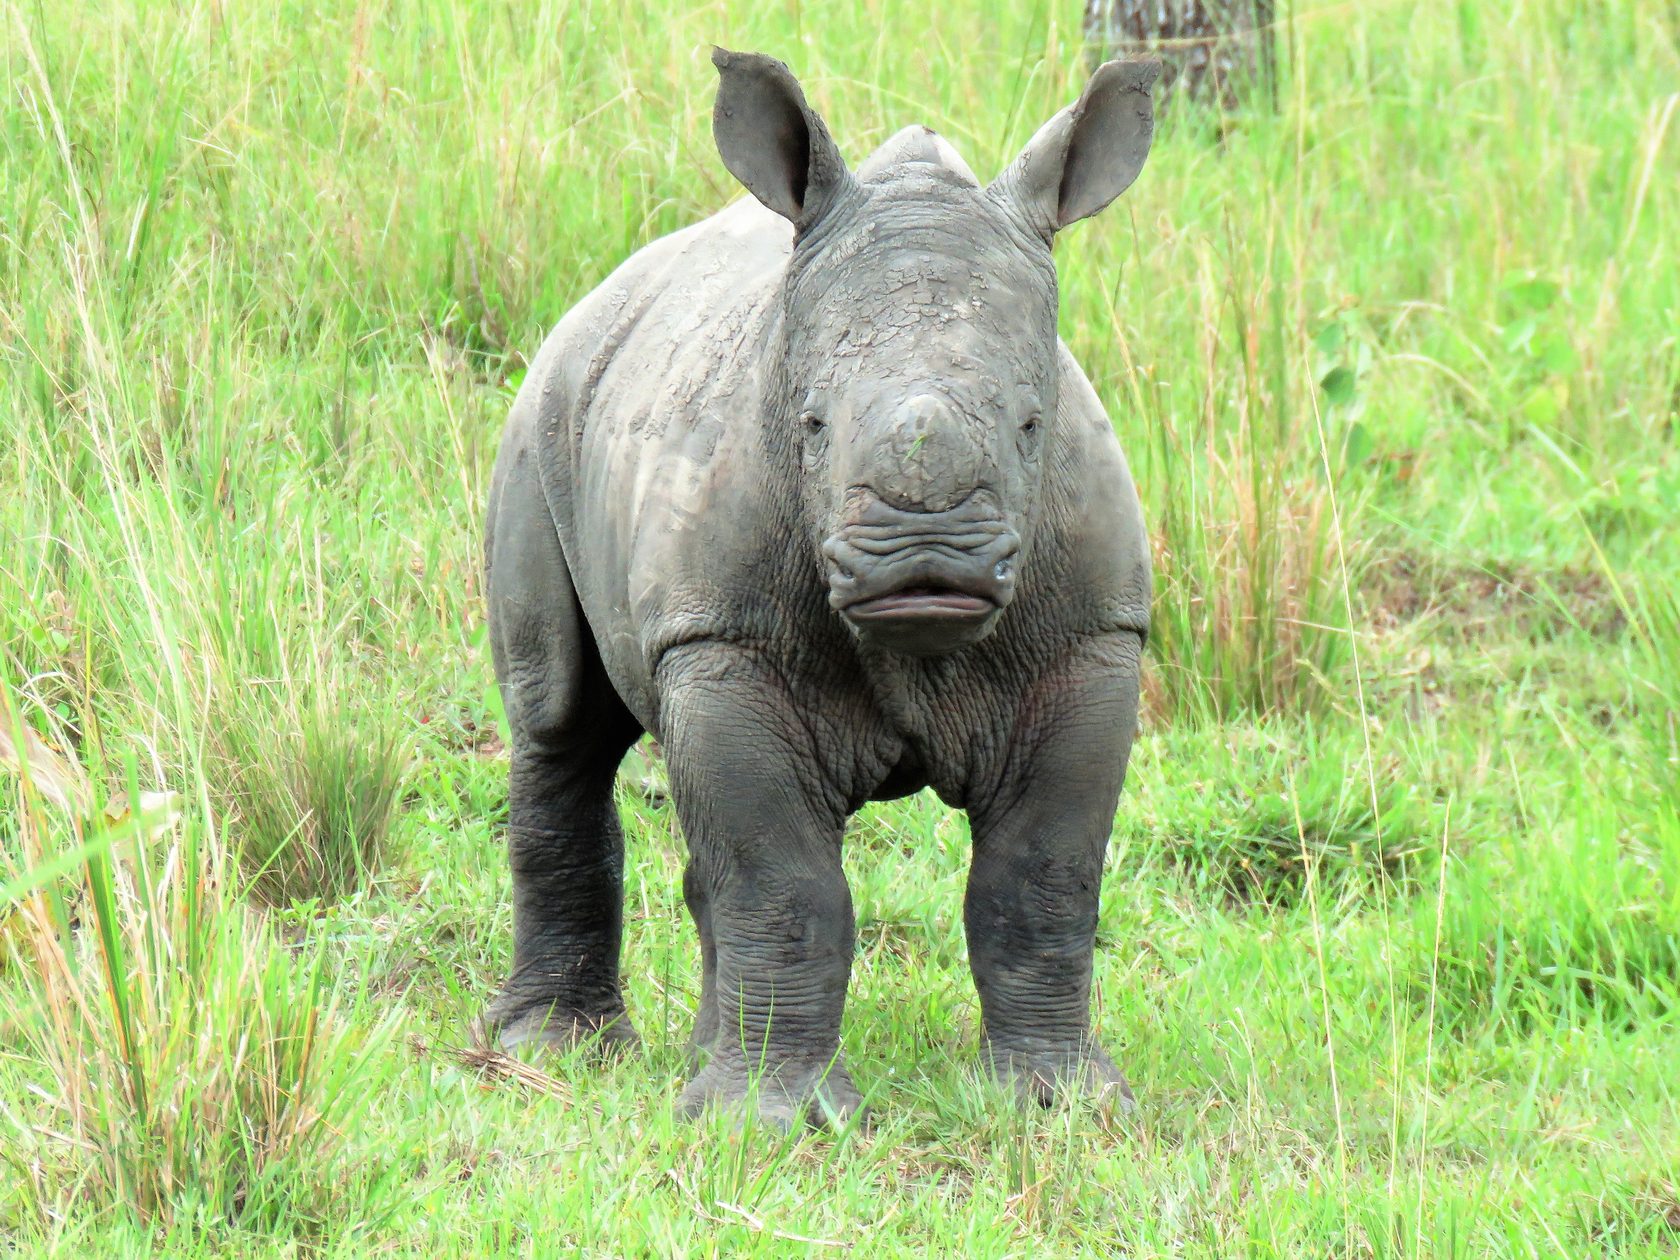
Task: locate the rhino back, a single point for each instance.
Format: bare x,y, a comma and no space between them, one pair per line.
644,405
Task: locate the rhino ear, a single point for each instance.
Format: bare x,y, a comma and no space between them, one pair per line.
771,140
1088,154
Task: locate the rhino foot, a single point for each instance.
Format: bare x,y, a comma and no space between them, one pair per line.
1043,1077
558,1027
819,1094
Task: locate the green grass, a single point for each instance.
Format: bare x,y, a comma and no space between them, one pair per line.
1390,943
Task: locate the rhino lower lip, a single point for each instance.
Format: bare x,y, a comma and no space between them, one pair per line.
919,602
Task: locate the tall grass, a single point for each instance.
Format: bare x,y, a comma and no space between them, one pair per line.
1656,622
310,785
159,574
1252,574
182,1061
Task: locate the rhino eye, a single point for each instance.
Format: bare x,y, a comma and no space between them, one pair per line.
1026,437
814,423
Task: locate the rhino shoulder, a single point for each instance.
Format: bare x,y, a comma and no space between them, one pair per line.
706,263
1093,507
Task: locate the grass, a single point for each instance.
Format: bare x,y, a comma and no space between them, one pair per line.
310,782
190,1068
1388,941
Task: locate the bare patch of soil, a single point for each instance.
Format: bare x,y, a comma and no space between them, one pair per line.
1496,600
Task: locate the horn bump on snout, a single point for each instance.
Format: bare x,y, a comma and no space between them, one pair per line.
926,457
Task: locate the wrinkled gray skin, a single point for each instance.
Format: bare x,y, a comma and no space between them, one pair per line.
812,492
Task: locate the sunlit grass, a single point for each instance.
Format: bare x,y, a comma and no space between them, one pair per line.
177,1061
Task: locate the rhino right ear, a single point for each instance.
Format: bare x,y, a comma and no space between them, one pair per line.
771,140
1088,154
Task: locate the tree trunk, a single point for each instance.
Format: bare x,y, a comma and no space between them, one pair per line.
1214,50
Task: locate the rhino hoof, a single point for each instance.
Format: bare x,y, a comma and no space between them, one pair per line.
556,1027
819,1096
1044,1078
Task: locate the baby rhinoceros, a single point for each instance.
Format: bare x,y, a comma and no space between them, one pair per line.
812,492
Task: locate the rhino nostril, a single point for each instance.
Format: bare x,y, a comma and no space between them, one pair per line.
1003,569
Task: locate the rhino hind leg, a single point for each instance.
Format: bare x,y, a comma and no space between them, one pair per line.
566,851
569,731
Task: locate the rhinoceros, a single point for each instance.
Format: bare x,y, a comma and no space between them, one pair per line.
812,492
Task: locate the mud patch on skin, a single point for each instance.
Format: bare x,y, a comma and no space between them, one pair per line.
1504,600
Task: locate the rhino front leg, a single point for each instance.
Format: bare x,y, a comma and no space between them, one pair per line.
706,1018
766,888
1031,907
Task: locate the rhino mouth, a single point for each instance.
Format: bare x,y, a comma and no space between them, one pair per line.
924,618
921,582
921,603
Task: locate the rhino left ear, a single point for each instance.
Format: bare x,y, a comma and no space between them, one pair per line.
1088,154
771,139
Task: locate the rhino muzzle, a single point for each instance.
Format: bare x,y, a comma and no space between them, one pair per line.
919,582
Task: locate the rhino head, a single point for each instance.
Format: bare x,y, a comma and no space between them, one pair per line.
913,378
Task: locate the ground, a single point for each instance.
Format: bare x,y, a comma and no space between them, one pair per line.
1390,941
